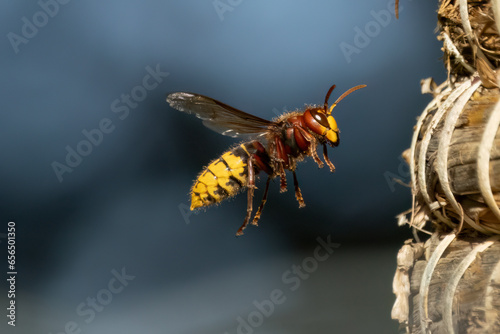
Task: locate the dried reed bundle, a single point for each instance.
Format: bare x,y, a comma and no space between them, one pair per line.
454,156
453,285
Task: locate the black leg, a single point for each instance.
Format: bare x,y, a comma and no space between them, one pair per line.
261,206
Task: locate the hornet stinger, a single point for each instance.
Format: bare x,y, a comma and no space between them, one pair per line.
273,147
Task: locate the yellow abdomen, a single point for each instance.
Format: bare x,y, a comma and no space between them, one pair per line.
223,178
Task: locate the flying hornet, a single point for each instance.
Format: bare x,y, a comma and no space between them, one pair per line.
271,147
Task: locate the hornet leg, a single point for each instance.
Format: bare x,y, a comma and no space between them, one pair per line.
312,146
282,161
298,193
250,192
316,157
328,162
282,177
261,206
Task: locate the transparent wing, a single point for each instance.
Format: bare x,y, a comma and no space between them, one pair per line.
218,116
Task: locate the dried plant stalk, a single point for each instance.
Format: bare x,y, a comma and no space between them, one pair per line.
454,286
471,38
454,163
449,181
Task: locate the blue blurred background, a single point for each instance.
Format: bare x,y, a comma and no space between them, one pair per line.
120,210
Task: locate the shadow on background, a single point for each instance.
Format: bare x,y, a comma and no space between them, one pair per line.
104,244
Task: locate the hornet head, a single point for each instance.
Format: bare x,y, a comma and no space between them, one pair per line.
321,121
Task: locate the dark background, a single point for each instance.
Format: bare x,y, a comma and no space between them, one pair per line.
122,205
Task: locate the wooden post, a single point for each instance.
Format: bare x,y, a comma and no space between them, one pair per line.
454,286
451,283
